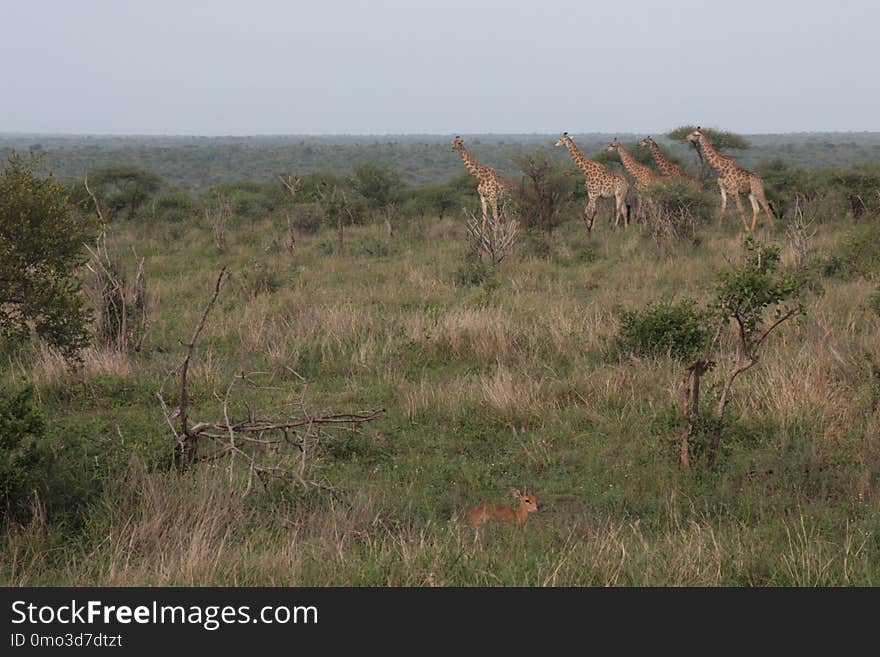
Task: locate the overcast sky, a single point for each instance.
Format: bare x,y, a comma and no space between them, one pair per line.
407,66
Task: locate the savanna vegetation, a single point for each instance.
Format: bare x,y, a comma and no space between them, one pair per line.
690,407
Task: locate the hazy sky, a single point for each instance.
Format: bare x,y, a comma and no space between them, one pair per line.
470,66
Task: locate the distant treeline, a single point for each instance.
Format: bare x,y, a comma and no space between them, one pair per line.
547,193
196,164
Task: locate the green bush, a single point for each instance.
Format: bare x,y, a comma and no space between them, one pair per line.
371,247
677,330
61,467
174,206
23,458
857,255
122,188
377,184
472,272
41,249
307,217
683,205
250,199
251,205
260,278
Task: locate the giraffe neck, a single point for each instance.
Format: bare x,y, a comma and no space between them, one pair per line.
585,165
636,168
715,159
470,163
665,165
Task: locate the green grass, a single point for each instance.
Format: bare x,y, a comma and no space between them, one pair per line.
507,381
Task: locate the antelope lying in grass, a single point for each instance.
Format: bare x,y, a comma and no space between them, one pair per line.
484,513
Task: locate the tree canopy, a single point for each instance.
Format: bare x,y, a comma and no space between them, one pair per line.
41,246
721,139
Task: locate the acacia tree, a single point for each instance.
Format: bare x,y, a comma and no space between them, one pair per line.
379,185
119,188
42,244
723,140
752,299
756,298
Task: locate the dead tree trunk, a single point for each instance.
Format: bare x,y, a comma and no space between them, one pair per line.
341,229
187,441
247,441
692,375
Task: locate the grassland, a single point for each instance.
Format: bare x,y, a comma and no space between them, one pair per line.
512,381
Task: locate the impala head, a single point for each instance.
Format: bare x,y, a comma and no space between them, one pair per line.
457,143
647,142
694,135
529,501
563,140
613,145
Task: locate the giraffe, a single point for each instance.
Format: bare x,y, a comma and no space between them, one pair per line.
644,175
668,167
600,183
733,179
491,188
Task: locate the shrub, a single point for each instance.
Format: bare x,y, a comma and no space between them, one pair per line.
371,247
250,199
670,329
22,457
123,187
174,206
856,256
860,185
682,206
546,191
61,467
42,246
251,205
472,272
260,278
307,217
377,184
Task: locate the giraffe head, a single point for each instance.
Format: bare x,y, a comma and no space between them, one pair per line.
457,143
694,135
563,140
647,142
613,145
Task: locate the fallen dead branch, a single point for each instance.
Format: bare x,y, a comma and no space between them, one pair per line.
255,442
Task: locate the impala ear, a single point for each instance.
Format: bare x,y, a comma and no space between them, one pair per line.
516,494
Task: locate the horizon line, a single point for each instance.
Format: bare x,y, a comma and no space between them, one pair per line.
5,134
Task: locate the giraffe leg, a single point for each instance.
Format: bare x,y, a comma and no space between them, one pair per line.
742,214
723,204
494,204
767,209
620,208
755,210
590,211
484,204
761,200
